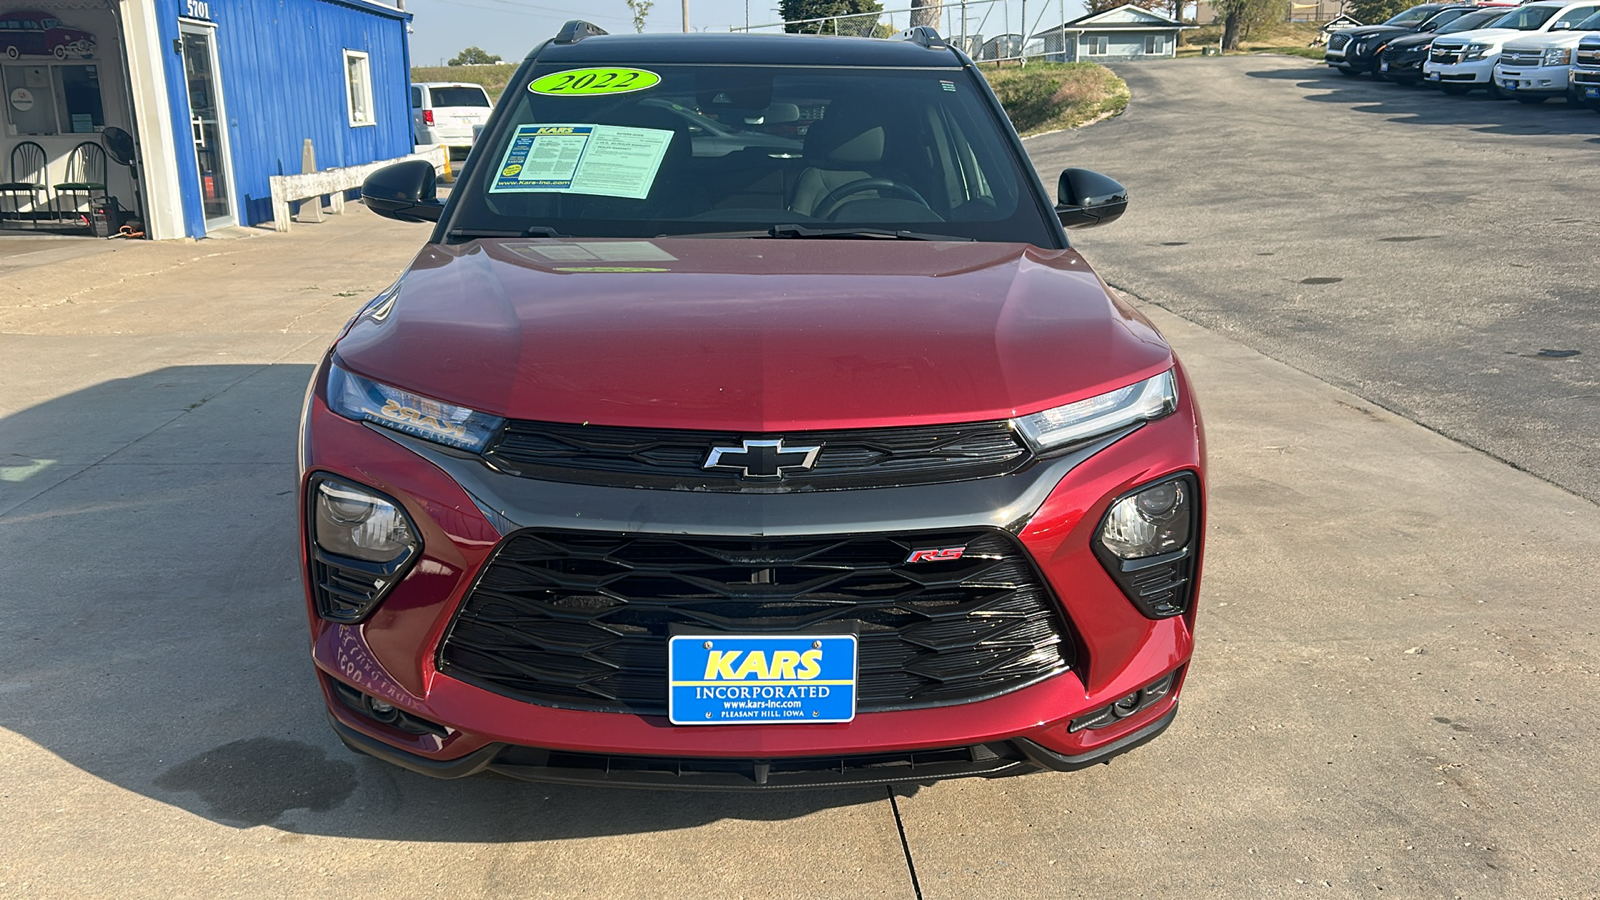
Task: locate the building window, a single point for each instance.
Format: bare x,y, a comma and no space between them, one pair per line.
1155,44
358,88
1096,46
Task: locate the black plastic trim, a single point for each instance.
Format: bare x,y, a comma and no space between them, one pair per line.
1062,762
1126,572
319,560
471,764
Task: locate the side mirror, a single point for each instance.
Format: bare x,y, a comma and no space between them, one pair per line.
1085,199
407,191
1561,26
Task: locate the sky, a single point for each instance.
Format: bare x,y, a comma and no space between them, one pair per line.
442,28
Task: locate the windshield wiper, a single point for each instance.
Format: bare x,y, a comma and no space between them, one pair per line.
531,231
803,231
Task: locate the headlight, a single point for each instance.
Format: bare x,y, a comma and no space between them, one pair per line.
365,400
362,545
1475,51
1148,543
1154,521
1557,57
359,524
1139,402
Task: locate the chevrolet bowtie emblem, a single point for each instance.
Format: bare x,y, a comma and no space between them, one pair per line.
763,459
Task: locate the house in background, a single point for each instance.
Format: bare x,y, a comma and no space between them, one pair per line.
218,96
1125,33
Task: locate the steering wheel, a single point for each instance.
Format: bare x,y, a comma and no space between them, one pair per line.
830,204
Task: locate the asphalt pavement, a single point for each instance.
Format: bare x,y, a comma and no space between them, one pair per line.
1391,693
1435,255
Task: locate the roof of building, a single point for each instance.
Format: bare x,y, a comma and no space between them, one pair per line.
1126,17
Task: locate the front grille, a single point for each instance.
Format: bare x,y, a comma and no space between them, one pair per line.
1521,57
581,619
1445,56
1586,57
675,459
533,764
1586,77
1338,42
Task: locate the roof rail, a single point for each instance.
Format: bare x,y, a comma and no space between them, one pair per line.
577,30
924,36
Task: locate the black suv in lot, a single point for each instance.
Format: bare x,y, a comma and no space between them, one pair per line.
1401,58
1354,51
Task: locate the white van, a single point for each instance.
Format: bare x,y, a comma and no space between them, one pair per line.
445,112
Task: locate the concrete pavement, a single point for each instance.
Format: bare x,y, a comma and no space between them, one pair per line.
1391,690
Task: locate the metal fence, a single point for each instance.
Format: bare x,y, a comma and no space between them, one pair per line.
986,30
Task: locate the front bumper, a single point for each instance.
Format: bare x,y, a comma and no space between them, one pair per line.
1544,81
1479,72
462,510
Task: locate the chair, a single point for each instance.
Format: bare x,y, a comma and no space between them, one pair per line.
86,175
852,146
28,176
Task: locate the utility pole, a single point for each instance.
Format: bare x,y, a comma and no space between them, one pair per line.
685,16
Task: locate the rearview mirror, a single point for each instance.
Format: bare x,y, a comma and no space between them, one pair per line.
407,191
1085,199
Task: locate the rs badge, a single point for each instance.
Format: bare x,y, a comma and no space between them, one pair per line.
939,554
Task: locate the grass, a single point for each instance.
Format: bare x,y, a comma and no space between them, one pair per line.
1050,96
1290,38
493,78
1039,97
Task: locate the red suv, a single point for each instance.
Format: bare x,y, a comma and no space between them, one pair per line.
787,460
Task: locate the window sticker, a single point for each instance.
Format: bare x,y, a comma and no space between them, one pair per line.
587,82
603,160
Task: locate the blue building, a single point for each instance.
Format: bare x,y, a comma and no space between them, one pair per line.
219,95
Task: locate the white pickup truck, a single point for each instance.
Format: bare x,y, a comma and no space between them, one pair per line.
1586,72
1465,61
1534,69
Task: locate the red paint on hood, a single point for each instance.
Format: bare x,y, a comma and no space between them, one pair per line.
754,334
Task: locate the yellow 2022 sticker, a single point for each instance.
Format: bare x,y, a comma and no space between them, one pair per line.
602,80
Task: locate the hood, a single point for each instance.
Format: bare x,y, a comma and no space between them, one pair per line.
1372,31
1482,35
1417,40
1548,41
755,334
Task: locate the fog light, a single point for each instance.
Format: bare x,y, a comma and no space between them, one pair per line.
1139,700
1127,706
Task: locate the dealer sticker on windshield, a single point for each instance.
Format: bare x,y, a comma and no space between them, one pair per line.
604,160
584,82
722,679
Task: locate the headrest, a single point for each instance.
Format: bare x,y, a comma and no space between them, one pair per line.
851,132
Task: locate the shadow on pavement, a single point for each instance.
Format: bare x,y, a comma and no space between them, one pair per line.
1422,105
157,636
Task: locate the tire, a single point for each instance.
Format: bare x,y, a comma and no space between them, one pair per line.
60,52
12,52
1455,90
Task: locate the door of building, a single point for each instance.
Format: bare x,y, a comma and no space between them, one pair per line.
207,125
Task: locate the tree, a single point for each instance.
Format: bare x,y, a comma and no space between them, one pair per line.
639,9
926,12
1240,17
474,56
1374,11
863,15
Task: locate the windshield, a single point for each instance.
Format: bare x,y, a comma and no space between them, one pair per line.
459,96
1471,21
706,149
1590,24
1528,18
1413,15
1443,18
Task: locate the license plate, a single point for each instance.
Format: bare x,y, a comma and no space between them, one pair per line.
731,679
1383,67
1433,76
1509,85
1592,93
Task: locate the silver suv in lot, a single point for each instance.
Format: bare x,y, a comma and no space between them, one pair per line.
1535,69
1465,61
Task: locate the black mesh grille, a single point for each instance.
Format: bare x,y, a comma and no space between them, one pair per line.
673,459
581,620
